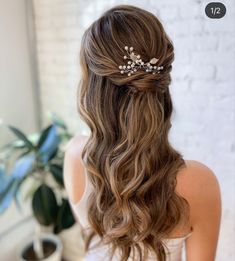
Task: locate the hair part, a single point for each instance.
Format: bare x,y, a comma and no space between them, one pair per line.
128,157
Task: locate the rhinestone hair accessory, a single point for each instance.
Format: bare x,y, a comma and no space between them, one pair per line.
135,63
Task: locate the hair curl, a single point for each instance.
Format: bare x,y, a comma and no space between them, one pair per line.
128,157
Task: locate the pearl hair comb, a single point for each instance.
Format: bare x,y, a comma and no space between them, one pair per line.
135,63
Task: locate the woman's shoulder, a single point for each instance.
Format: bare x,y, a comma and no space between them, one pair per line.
73,153
198,184
196,176
75,145
74,179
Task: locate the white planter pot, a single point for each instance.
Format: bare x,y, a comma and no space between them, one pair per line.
55,256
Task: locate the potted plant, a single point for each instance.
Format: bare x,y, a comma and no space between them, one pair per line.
37,159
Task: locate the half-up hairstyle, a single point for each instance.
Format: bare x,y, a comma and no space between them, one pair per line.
128,157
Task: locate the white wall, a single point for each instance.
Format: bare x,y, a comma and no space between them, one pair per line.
16,84
202,88
16,95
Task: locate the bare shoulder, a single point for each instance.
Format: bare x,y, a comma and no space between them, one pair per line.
198,184
75,145
73,167
197,179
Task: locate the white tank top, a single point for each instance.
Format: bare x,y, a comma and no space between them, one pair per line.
175,246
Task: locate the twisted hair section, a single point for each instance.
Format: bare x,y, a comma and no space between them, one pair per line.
128,157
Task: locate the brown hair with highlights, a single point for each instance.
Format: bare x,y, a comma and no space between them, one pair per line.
128,157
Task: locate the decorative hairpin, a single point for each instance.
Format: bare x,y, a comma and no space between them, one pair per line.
135,63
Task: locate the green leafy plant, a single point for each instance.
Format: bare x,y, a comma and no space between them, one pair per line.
37,157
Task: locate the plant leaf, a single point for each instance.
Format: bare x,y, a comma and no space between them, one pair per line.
50,144
43,136
10,184
4,179
22,137
7,194
57,172
44,205
6,189
53,155
65,218
23,166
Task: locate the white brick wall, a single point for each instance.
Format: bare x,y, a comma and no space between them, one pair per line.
202,88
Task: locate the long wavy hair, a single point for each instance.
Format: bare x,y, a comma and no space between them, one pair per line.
128,157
